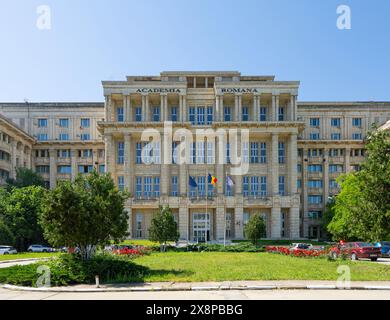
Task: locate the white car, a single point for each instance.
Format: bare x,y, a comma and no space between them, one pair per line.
7,250
39,248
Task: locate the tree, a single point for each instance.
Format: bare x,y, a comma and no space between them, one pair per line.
163,227
362,209
25,178
255,228
19,212
86,213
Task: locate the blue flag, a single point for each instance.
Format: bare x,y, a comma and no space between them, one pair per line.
192,182
229,182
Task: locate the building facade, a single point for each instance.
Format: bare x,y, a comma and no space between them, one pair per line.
271,155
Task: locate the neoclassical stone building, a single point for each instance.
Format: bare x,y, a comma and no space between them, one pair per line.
291,151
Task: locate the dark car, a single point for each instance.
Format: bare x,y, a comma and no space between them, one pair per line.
357,250
385,248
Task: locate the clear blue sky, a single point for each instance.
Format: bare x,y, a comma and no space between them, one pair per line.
99,40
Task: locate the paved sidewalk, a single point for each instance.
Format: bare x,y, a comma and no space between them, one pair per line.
213,286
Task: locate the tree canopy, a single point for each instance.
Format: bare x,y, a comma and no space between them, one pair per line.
163,227
24,178
255,228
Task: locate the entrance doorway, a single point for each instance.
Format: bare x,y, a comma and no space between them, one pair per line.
201,227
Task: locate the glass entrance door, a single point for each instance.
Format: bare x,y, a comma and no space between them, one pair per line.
201,227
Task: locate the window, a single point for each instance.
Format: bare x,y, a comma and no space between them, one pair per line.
356,136
299,167
315,199
42,137
314,122
200,152
156,114
175,188
64,169
336,152
85,168
245,186
335,122
156,186
282,190
254,152
85,122
147,187
138,151
254,186
175,150
263,152
201,119
210,153
245,113
314,168
227,113
357,122
85,136
227,146
281,152
138,225
42,169
201,186
121,183
42,123
191,115
333,184
65,153
335,136
246,218
281,114
64,123
209,115
121,152
314,215
314,136
245,152
263,114
314,183
138,187
314,152
119,114
102,168
335,168
299,183
63,136
263,185
173,114
138,114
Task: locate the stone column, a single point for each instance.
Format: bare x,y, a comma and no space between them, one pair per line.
73,155
183,223
143,107
275,107
347,160
239,108
291,109
220,223
221,107
107,108
217,109
180,117
14,145
183,180
147,108
239,222
275,223
127,108
184,117
110,154
166,147
238,178
255,110
125,112
53,168
127,163
275,164
305,193
294,223
292,163
236,106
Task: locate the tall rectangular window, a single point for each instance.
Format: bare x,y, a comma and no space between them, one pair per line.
156,187
120,114
227,146
245,152
210,153
175,186
121,183
263,114
245,185
42,123
209,115
156,114
138,187
121,152
263,152
193,153
281,114
263,185
138,114
201,186
254,185
254,152
147,187
138,152
281,152
174,114
245,113
138,225
282,190
191,115
201,118
227,113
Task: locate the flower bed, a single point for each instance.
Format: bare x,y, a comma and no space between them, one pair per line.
132,251
296,253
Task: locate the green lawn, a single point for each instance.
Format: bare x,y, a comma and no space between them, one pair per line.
28,255
221,266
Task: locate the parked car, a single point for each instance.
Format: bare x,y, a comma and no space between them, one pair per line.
385,248
356,250
39,248
301,246
7,250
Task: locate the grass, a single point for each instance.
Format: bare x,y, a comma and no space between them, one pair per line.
221,266
28,255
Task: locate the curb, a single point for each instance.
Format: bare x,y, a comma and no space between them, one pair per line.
24,260
194,288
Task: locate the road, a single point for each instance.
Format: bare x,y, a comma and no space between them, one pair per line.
206,295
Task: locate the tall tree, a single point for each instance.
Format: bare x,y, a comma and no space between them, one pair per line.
362,209
86,213
24,178
163,227
255,228
19,212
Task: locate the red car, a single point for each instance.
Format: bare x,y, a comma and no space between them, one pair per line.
356,250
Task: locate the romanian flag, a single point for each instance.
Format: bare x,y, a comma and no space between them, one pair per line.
211,179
